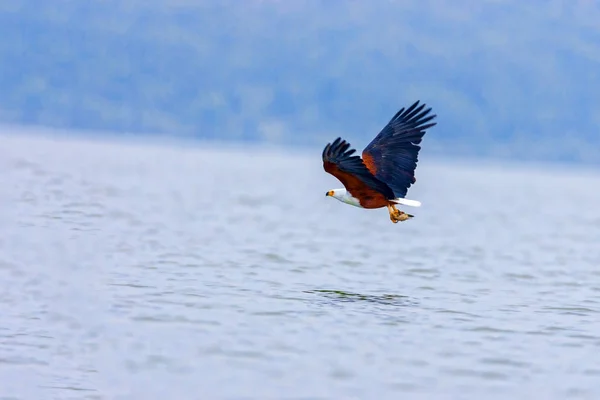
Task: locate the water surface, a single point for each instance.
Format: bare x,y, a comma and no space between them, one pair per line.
141,272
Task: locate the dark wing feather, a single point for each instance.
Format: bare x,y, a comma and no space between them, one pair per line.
350,170
392,155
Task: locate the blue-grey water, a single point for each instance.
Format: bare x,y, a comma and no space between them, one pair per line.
134,271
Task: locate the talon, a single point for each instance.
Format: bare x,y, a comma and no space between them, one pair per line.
397,215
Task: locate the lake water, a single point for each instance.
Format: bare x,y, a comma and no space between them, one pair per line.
142,272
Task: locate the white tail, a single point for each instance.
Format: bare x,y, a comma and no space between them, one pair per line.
407,202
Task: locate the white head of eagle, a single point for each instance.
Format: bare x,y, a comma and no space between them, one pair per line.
344,196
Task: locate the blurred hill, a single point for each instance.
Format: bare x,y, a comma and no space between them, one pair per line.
506,78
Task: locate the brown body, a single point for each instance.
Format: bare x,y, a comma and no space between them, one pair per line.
366,196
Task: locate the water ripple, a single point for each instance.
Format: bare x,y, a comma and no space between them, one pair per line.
122,278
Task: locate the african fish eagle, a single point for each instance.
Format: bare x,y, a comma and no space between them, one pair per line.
387,168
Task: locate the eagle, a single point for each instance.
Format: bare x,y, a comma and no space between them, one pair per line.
382,176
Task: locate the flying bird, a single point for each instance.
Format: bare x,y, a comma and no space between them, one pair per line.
382,176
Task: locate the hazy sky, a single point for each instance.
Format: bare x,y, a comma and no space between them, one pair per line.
510,78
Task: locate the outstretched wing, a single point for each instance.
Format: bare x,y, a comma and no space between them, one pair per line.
350,170
393,154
